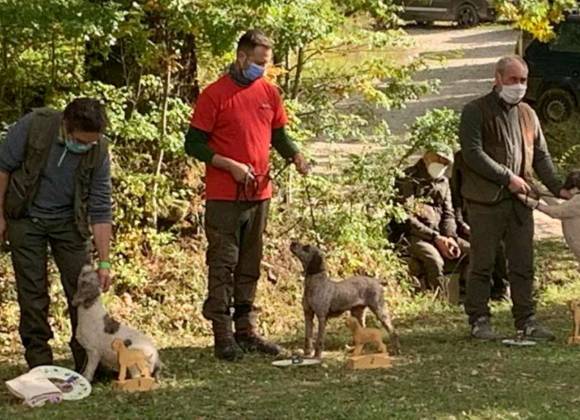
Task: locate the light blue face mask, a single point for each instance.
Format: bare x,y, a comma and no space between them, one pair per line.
76,147
254,72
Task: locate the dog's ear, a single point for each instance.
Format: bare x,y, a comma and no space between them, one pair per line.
315,265
76,300
127,342
86,294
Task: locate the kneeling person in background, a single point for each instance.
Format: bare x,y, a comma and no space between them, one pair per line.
431,229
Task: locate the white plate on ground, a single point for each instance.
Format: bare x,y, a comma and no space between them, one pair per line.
73,385
515,342
296,361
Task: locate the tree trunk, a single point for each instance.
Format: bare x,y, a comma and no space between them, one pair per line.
163,129
298,74
53,60
186,78
287,74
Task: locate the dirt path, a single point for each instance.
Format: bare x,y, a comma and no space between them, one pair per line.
465,73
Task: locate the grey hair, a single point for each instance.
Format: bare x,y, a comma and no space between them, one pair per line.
504,62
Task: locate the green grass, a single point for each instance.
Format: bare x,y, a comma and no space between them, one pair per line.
441,374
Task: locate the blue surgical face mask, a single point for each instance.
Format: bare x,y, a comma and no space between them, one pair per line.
76,147
254,72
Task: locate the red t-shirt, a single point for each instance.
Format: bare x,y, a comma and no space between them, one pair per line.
240,120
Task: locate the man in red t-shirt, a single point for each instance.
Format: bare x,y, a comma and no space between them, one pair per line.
236,120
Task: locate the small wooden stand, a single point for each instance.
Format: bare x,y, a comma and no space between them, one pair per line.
362,336
574,306
453,289
369,361
128,358
136,385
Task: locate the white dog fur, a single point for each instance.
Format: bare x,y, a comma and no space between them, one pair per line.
568,212
96,330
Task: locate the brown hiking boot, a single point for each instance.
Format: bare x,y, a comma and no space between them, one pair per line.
252,342
227,349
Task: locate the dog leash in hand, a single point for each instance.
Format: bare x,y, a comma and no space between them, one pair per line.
281,170
314,224
312,217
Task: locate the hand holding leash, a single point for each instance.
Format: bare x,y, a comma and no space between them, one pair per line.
241,172
302,165
518,185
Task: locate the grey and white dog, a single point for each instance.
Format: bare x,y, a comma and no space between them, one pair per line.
96,330
326,298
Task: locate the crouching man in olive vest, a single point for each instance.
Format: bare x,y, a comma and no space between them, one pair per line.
55,185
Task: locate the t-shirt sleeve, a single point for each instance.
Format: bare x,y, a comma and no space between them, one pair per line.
280,118
205,112
13,149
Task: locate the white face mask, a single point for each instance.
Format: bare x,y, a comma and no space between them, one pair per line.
436,170
513,94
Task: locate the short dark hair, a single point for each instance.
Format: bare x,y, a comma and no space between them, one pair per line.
573,180
85,114
252,39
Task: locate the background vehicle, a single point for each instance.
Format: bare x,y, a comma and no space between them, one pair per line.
465,12
554,80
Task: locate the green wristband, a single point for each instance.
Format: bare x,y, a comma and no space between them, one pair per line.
104,265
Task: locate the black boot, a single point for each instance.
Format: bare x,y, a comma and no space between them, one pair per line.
251,342
226,348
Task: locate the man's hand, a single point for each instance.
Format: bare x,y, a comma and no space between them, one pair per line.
240,171
465,229
443,246
454,249
301,164
565,194
518,185
105,278
448,247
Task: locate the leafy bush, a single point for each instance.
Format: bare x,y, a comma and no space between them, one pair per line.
563,143
145,61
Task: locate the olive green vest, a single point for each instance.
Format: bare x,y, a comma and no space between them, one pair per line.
481,190
44,129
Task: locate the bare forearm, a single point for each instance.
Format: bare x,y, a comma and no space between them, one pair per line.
222,162
4,179
102,233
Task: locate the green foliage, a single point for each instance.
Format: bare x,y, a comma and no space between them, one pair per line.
383,12
563,143
41,44
145,59
535,16
437,126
